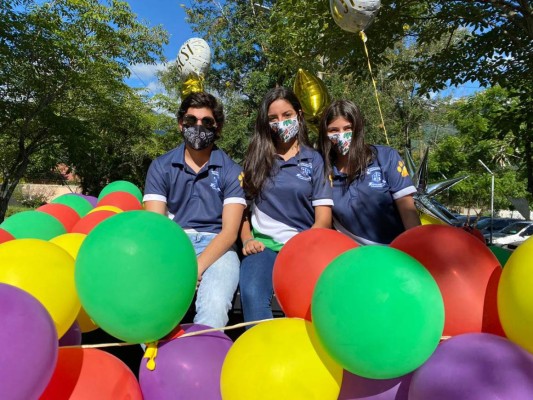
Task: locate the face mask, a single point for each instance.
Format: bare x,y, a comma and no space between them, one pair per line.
287,129
342,141
198,137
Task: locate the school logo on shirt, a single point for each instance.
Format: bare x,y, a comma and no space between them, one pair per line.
241,177
402,169
306,171
215,180
376,179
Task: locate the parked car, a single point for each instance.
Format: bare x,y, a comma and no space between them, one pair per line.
497,224
512,246
516,232
468,220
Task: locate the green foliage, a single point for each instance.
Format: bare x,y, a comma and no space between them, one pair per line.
60,62
482,136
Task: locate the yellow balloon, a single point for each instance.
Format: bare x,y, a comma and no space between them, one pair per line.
427,219
46,271
71,242
106,208
193,84
515,296
280,359
312,93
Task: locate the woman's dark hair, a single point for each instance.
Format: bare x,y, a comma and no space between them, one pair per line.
203,100
259,159
360,154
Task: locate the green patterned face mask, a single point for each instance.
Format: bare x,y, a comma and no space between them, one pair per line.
342,141
286,129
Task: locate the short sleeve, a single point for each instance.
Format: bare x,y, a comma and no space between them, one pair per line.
322,192
233,191
398,178
156,187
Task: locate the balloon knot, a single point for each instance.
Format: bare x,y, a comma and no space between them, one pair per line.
151,354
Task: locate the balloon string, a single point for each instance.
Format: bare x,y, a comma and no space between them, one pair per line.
121,344
363,37
226,328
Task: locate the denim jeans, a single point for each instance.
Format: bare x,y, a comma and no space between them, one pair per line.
217,287
256,285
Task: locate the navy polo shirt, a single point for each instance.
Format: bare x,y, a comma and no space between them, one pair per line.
286,204
195,201
365,210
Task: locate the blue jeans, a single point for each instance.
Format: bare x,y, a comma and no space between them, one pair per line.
217,287
256,285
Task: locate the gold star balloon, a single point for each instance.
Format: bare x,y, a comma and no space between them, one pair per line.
192,84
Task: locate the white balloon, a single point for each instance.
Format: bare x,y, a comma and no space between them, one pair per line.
194,57
354,15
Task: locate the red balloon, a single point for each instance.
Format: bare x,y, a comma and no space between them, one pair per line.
123,200
91,374
5,236
87,223
466,272
299,265
64,214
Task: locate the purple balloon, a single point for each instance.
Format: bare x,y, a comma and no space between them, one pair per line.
72,337
475,366
186,368
29,345
91,199
355,387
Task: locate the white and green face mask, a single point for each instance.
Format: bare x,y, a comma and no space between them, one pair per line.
287,129
342,141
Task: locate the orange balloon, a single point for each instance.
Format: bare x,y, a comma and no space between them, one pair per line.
83,374
299,265
123,200
465,270
87,223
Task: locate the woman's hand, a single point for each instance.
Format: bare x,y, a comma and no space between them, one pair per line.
252,246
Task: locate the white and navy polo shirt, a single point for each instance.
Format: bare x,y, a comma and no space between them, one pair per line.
286,204
195,201
365,210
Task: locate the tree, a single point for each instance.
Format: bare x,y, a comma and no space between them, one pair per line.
57,58
481,135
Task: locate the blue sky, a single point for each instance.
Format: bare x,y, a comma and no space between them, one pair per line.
171,16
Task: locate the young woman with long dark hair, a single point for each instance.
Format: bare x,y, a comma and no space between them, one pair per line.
284,181
372,190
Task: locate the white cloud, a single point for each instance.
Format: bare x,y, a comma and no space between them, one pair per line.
146,72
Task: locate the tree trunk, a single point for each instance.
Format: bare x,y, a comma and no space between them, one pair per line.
11,180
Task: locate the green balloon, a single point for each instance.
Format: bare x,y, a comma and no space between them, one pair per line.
77,203
378,312
121,186
136,275
501,254
33,225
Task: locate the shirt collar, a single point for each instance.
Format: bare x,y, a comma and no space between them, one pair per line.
305,153
215,159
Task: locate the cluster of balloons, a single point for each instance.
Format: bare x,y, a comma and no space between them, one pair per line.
363,322
194,58
380,313
78,263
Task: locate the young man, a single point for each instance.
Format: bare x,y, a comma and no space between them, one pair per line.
198,186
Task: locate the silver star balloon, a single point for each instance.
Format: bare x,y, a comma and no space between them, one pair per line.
424,200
